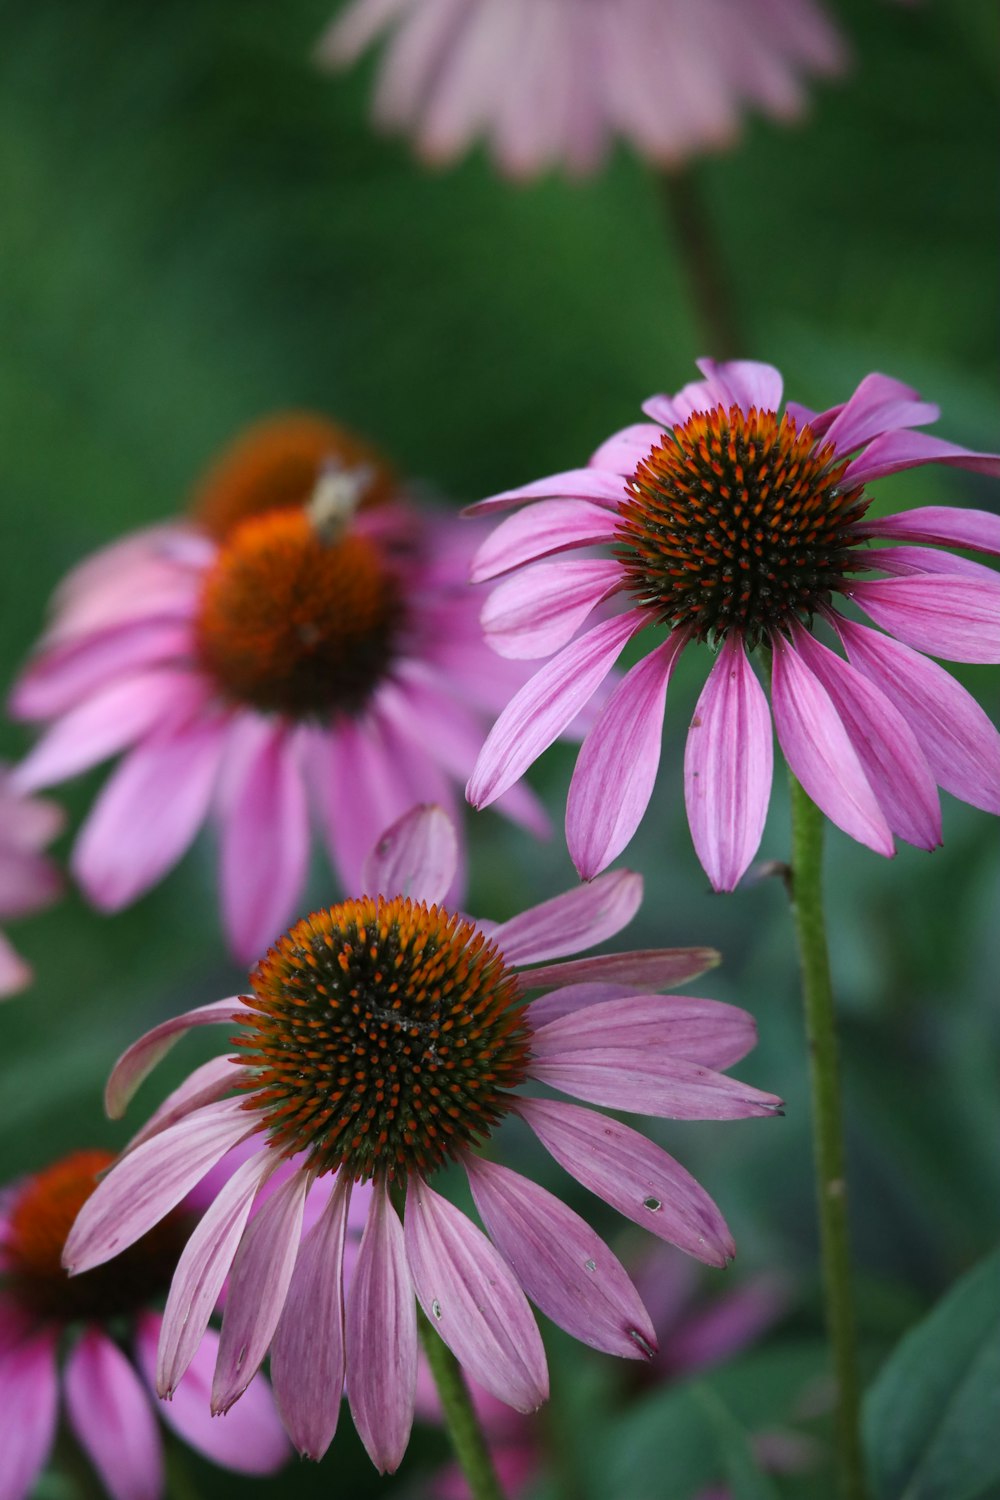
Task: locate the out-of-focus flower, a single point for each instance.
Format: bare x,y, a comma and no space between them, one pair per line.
307,646
28,881
732,524
101,1330
383,1039
550,82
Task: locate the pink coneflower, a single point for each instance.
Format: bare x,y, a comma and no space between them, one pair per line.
306,647
551,82
28,881
383,1039
102,1328
732,525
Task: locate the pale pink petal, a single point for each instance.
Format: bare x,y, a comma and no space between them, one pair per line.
112,1415
728,765
307,1352
15,973
60,678
744,383
616,768
715,1332
543,708
29,1397
954,618
541,608
642,1081
258,1284
940,525
573,484
416,857
635,1176
381,1338
903,561
576,920
27,822
138,1061
28,882
878,405
670,1026
644,968
354,28
624,451
819,751
572,998
472,1300
208,1083
548,527
564,1267
896,451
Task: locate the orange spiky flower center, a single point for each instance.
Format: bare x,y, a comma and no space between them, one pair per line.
39,1220
738,521
297,620
384,1037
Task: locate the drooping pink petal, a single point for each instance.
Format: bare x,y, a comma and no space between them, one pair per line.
472,1300
728,765
744,383
635,1176
15,972
669,1026
819,751
111,1414
139,1060
878,405
416,857
940,525
258,1283
573,484
903,561
710,1334
307,1353
539,713
564,1267
895,451
644,1081
623,451
211,1081
29,1396
540,531
28,882
643,969
381,1338
954,618
576,920
60,678
616,768
572,998
538,610
151,1180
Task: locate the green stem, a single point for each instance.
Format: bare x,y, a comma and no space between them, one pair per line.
466,1435
697,246
806,891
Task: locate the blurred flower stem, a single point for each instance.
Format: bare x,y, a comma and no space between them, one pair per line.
697,250
806,890
460,1418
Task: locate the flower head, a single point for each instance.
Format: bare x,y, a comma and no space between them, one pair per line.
383,1039
551,82
730,523
307,639
28,881
103,1328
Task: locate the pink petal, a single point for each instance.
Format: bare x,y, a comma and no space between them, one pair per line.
573,484
572,998
416,857
644,969
954,618
878,405
473,1301
381,1338
564,1267
541,608
728,765
628,1078
624,451
744,383
28,882
906,560
208,1083
15,973
60,678
28,1404
307,1353
139,1060
111,1413
258,1284
543,708
716,1332
669,1026
820,754
151,1180
575,920
541,530
940,525
896,451
635,1176
616,768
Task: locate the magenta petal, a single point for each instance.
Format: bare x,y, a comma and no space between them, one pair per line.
903,561
381,1338
307,1352
635,1176
954,618
540,531
643,969
473,1301
616,768
623,451
878,405
151,1180
29,1396
210,1082
744,383
258,1284
60,678
820,754
139,1060
668,1026
15,973
575,920
564,1267
543,708
572,998
538,610
895,451
416,857
728,764
940,525
573,484
111,1413
638,1080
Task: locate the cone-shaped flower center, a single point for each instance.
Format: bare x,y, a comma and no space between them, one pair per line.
38,1223
737,521
277,464
296,621
384,1037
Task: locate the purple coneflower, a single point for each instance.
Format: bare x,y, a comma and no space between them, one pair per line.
102,1328
383,1039
730,524
28,881
307,638
550,82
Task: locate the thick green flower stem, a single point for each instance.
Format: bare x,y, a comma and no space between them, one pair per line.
806,891
459,1415
698,253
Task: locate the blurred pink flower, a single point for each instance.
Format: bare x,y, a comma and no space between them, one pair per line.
107,1389
28,881
550,82
732,524
264,665
383,1039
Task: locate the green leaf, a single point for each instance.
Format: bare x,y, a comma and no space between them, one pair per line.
742,1471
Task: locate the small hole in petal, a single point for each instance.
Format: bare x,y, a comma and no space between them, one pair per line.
590,1265
436,1308
653,1204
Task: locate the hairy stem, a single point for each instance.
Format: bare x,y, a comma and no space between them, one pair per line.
466,1435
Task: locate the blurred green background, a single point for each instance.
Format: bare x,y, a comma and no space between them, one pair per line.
198,229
